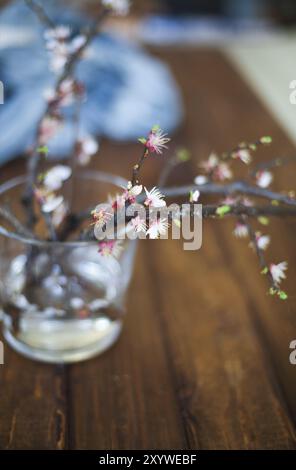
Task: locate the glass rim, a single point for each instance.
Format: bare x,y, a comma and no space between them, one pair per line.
95,175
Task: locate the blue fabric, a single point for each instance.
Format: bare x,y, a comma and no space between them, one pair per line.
127,90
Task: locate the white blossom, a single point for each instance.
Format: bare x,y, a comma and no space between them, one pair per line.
240,230
110,248
200,180
59,214
51,203
55,177
243,155
60,32
222,172
154,198
101,216
217,169
278,271
88,146
133,191
264,178
138,224
194,196
157,228
76,43
48,128
262,241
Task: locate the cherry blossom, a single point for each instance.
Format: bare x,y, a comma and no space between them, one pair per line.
278,272
222,172
156,140
211,163
87,147
240,230
194,196
262,241
264,178
54,178
138,224
132,192
67,91
157,228
77,43
110,248
59,214
101,216
56,45
51,202
154,198
49,126
60,46
200,180
243,155
216,169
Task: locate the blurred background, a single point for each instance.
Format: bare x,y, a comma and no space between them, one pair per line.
283,12
128,88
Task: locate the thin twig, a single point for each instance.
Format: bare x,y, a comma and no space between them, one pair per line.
72,222
8,215
274,163
250,211
50,227
242,146
225,190
260,254
138,166
40,13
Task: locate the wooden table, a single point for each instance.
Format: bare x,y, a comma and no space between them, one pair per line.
203,361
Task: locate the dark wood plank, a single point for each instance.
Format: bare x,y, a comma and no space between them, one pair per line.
126,398
268,422
33,410
33,406
223,376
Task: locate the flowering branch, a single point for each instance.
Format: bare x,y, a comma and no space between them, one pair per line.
138,166
216,171
154,143
275,273
50,112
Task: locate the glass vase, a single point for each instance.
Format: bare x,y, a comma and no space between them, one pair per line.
62,301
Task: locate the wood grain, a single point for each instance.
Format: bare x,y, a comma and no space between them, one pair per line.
203,358
33,405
